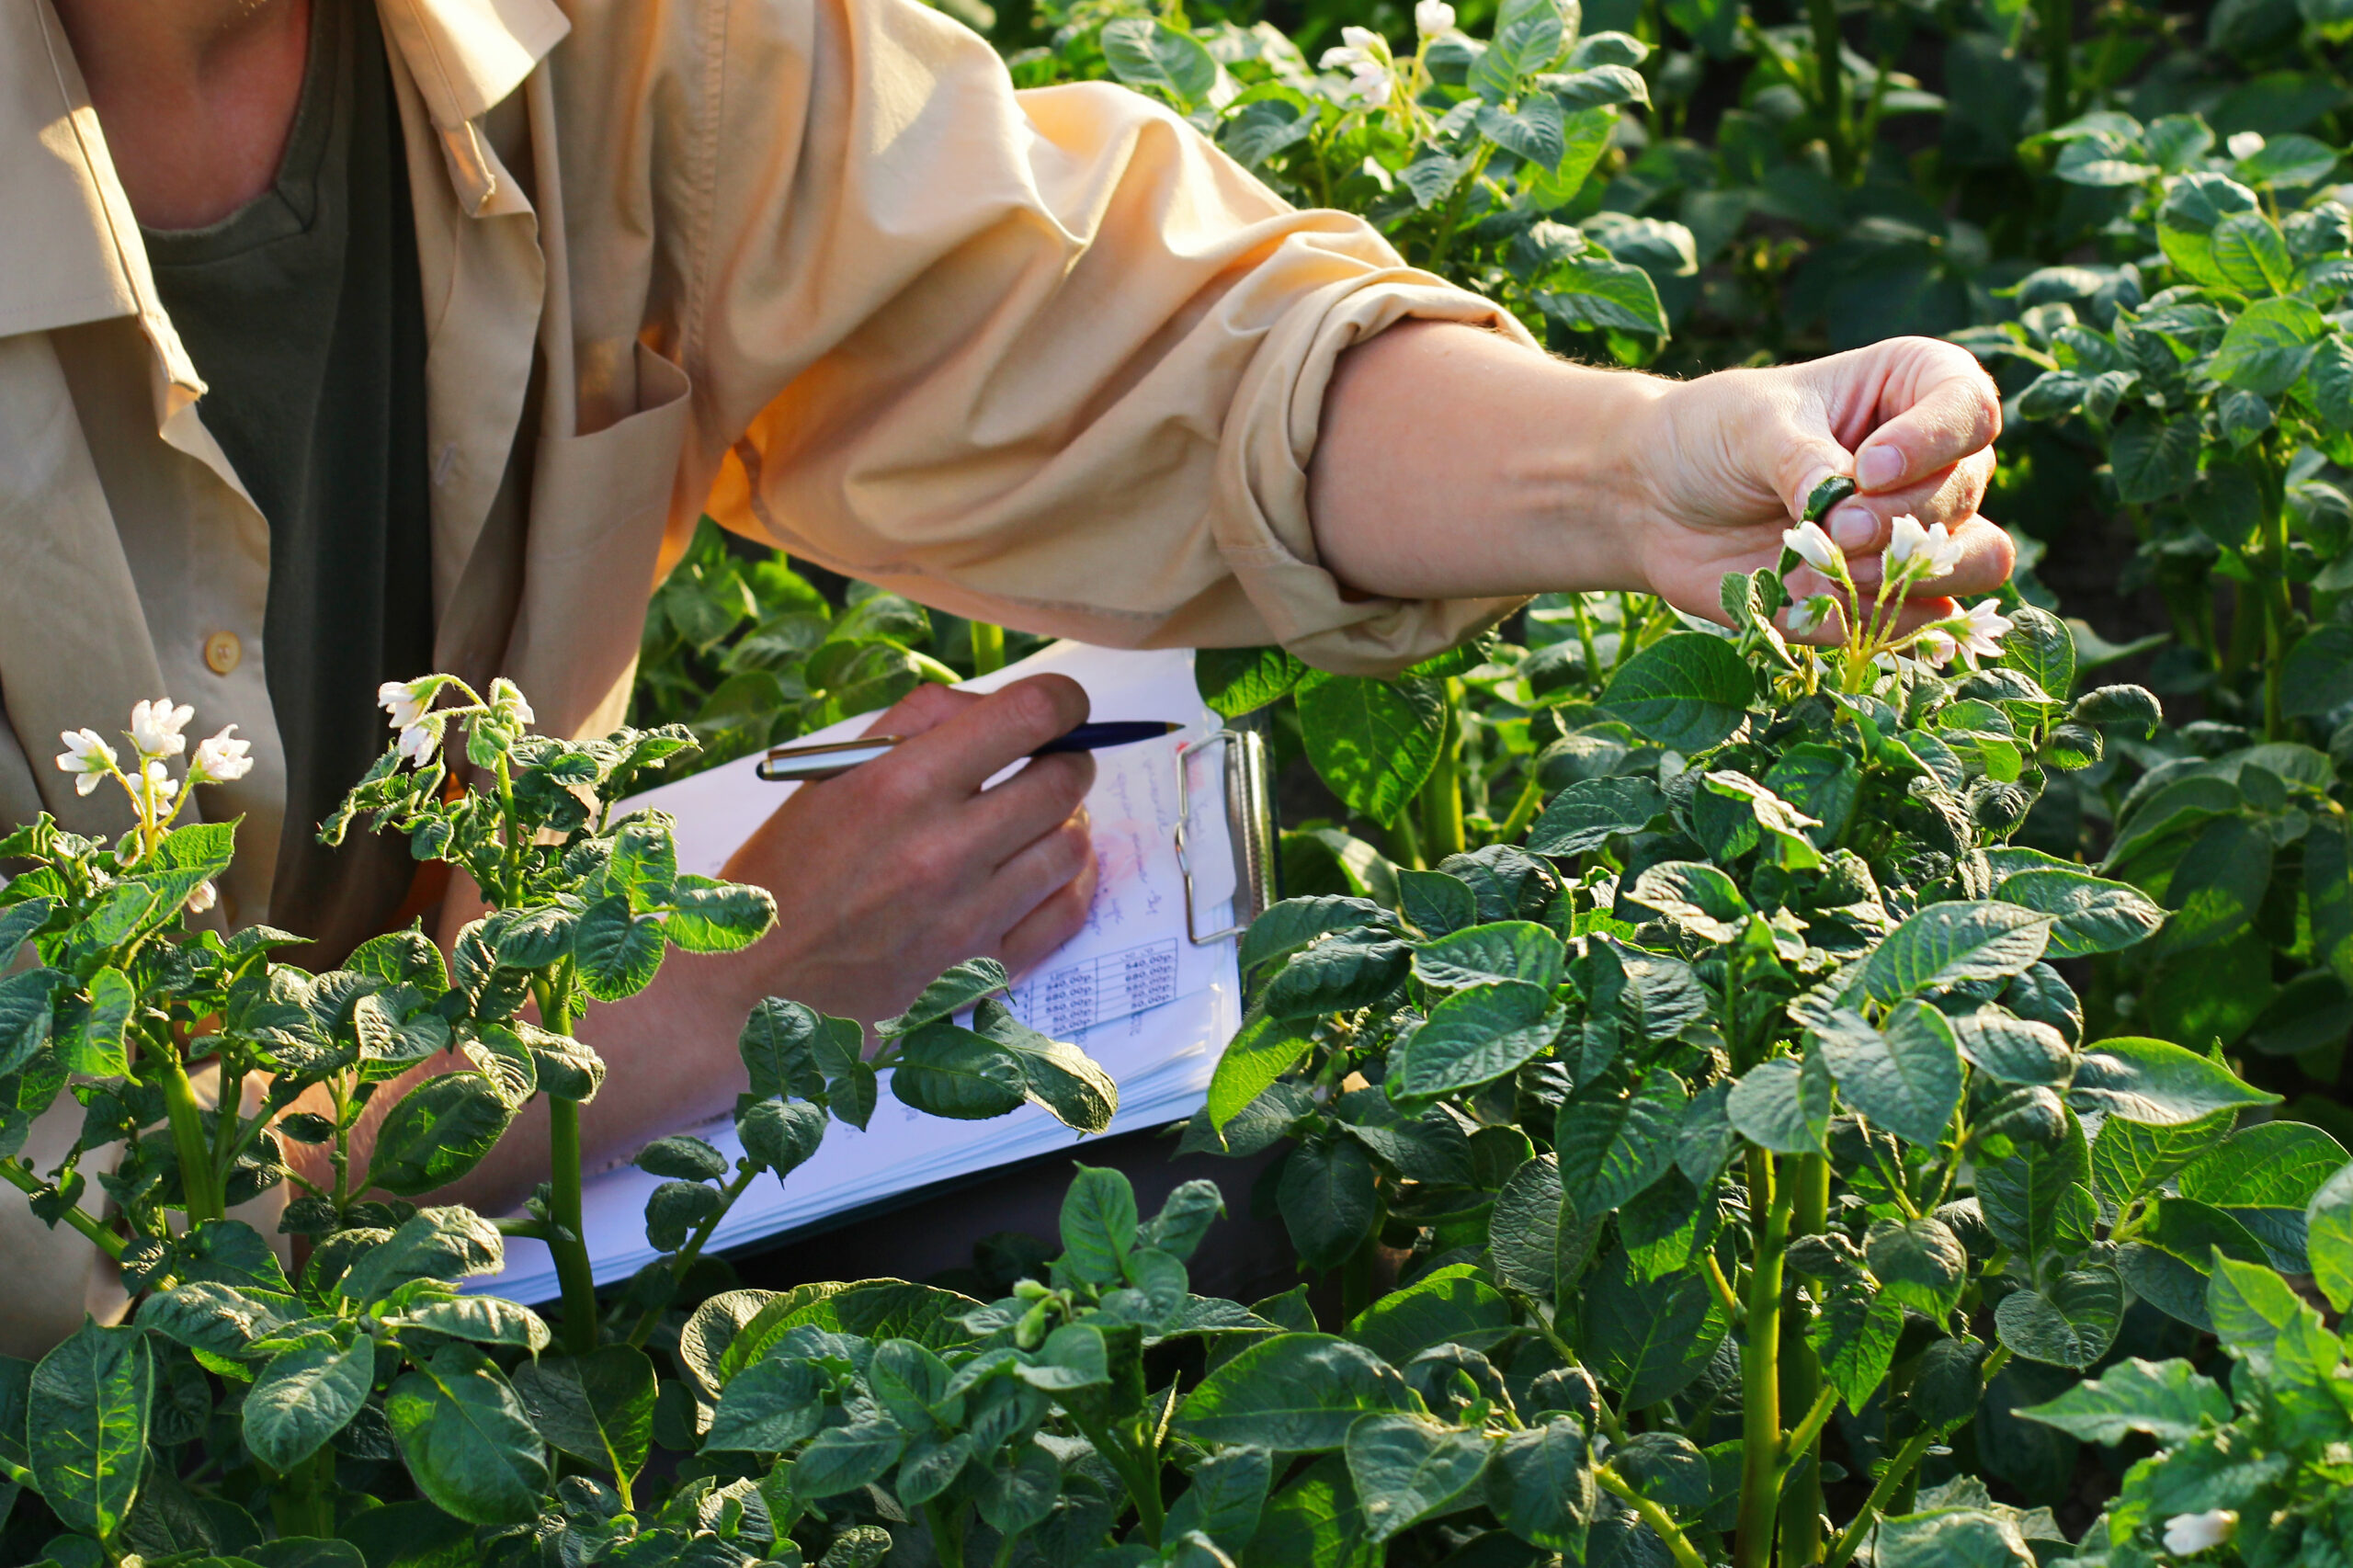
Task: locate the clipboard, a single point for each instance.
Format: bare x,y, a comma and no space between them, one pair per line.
1250,827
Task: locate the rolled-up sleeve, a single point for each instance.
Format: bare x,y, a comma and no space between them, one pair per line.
1044,358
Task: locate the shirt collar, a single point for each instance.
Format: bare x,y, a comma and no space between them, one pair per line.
70,252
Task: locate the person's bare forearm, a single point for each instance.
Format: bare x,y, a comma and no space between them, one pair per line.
1455,463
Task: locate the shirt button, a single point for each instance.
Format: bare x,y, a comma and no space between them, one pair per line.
221,652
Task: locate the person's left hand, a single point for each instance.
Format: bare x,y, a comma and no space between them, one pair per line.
1911,419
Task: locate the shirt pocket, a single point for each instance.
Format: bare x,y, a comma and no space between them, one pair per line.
599,507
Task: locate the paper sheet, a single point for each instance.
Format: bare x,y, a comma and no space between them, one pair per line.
1131,989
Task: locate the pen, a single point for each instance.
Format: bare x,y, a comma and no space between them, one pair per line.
794,764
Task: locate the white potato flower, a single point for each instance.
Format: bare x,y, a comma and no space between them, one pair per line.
507,699
1928,553
1359,47
417,744
2187,1534
1810,616
1935,646
221,758
402,699
1433,18
2245,143
160,782
87,754
205,897
1981,633
155,727
1817,549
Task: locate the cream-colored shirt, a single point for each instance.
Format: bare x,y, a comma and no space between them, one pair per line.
1047,359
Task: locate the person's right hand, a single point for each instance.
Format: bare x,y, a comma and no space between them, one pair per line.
899,869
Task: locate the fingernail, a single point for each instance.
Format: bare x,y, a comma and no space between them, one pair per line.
1879,467
1854,527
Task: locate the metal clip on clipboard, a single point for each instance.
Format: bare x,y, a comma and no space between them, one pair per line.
1249,820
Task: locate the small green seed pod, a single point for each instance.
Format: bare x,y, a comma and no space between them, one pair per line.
1826,494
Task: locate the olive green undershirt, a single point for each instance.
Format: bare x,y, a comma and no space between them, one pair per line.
303,313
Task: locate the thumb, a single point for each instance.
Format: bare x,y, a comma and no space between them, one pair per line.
1808,458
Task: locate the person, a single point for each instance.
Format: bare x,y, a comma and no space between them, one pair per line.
340,341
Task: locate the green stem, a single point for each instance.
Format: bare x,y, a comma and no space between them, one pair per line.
1761,1379
199,1183
1442,791
2057,24
1677,1544
16,1174
1523,810
988,648
570,1247
2280,604
1898,1472
1141,1479
1830,85
1356,1277
946,1542
1404,844
1802,1386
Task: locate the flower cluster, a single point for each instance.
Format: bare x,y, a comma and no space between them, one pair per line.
157,731
1915,554
422,727
1364,56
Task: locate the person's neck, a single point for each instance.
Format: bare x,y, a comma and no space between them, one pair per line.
197,97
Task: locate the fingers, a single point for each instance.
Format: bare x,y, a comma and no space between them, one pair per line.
1951,496
973,738
1936,406
1002,819
1050,922
925,707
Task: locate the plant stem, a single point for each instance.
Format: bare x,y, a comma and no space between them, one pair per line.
1523,810
1356,1277
1141,1479
2279,603
199,1183
1802,1386
1830,85
988,647
1678,1545
946,1542
695,1242
1442,790
570,1247
16,1174
1760,1380
2057,20
1898,1472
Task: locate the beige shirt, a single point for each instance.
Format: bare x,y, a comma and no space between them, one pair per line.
1047,359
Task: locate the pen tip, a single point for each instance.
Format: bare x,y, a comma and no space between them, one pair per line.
1172,725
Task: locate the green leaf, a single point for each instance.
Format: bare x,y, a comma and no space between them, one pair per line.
2328,1242
1546,1491
618,951
1947,944
2040,1198
1296,923
2070,1322
1696,896
305,1396
597,1407
485,1320
2169,1401
2250,1306
1263,1050
2130,1158
1536,1245
2015,1050
2318,676
1585,815
1783,1105
1152,54
1919,1264
1068,1082
949,1071
1611,1149
2153,457
1593,291
1292,1393
1505,951
781,1135
95,1046
1536,130
718,917
958,988
644,862
843,1459
2169,1261
683,1158
1447,1306
433,1243
1372,741
1098,1226
467,1440
1434,902
1647,1338
85,1421
2094,914
769,1407
1329,1197
2269,346
1528,36
1475,1037
1687,690
2162,1084
1406,1468
2251,256
1354,969
1235,681
2264,1178
2218,886
1905,1078
1315,1519
674,1210
1950,1538
2195,205
1854,1335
